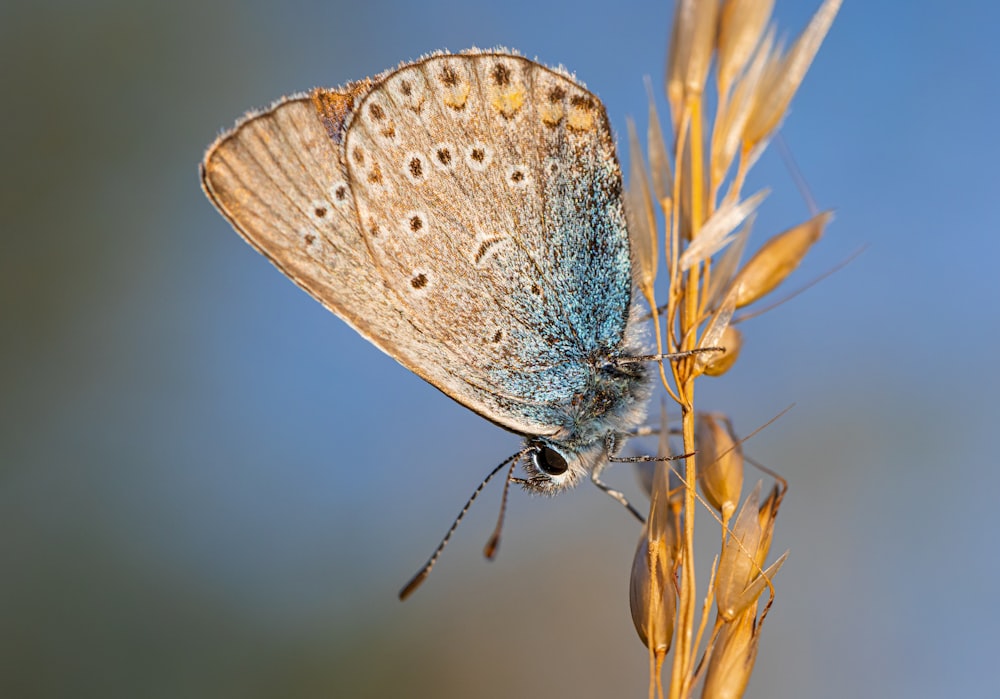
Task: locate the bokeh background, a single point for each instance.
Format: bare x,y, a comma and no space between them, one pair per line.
211,487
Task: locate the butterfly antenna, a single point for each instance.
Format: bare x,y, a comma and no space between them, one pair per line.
490,550
422,574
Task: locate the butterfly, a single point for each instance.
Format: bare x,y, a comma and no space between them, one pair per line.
464,213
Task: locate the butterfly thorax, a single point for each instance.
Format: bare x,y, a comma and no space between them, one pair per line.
614,401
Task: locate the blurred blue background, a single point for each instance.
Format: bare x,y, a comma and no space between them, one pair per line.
211,487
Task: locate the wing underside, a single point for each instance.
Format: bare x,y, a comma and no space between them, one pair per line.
463,213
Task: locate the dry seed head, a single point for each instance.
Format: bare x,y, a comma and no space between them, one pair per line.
741,23
674,83
720,464
738,583
732,658
778,258
652,596
641,219
784,75
732,341
692,43
704,31
652,592
732,118
736,567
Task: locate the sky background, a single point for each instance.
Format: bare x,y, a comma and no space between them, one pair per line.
211,487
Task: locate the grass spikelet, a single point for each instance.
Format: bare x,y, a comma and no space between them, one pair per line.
785,74
778,258
691,47
652,597
733,658
741,25
740,581
720,464
732,343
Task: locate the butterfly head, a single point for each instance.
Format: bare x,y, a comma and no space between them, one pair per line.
552,466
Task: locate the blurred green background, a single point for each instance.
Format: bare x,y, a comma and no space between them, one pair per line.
210,487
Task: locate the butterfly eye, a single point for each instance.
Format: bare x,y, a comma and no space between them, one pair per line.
550,462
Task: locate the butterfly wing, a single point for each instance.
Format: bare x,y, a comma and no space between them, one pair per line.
489,194
488,258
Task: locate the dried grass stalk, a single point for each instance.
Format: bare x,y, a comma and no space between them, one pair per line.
697,181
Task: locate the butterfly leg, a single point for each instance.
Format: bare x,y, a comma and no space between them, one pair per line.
672,356
611,447
595,478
